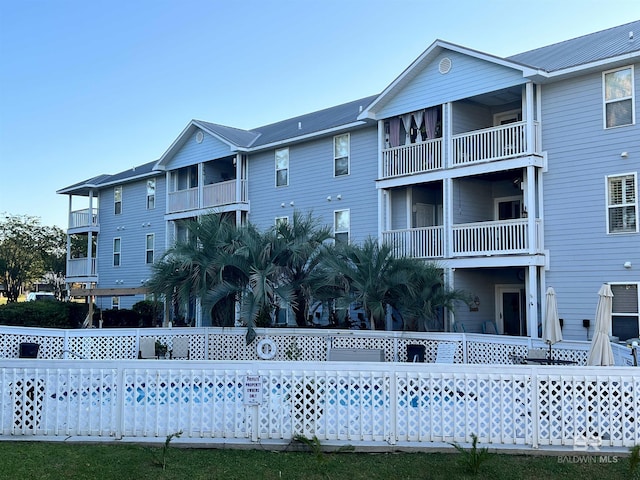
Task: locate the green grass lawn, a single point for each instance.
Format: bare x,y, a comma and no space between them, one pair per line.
39,460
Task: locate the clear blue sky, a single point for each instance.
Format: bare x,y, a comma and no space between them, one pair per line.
94,86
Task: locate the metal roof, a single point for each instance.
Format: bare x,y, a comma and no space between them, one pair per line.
590,48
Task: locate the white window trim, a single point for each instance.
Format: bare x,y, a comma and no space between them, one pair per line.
115,202
607,206
348,135
631,315
154,194
632,98
276,167
498,200
147,249
348,231
119,252
115,305
284,219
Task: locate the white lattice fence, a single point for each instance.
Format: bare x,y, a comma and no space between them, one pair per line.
362,404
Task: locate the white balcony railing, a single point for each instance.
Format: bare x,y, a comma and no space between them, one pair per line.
77,267
493,143
183,200
414,158
416,242
223,193
491,238
83,218
213,195
471,239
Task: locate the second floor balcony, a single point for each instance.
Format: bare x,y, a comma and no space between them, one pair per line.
86,218
209,196
81,268
503,237
483,145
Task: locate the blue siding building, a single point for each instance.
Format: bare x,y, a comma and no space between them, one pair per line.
513,174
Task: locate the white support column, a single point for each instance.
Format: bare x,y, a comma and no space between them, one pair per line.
447,133
200,185
529,117
90,234
238,162
532,301
447,221
382,194
530,202
167,190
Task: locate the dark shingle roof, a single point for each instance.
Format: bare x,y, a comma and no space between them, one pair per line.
309,123
82,188
590,48
236,136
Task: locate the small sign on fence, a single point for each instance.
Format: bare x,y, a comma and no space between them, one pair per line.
252,394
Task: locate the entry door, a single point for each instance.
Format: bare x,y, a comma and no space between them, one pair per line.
509,310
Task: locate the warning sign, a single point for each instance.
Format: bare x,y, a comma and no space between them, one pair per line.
252,390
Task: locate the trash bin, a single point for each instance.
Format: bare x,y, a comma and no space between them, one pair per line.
28,350
416,353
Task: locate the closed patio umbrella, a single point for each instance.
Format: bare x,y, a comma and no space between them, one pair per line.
600,352
551,331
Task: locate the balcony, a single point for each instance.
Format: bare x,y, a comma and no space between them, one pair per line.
415,158
85,218
78,268
213,195
505,237
485,145
424,242
496,143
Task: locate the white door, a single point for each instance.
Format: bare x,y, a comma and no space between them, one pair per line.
509,310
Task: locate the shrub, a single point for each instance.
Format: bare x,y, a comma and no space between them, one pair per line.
43,314
150,312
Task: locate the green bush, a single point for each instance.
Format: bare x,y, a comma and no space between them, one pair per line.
43,314
150,312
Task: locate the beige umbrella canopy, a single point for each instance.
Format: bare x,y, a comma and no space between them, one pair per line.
551,331
600,352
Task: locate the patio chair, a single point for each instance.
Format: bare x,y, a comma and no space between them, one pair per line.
446,352
416,353
489,327
147,348
28,350
459,327
180,348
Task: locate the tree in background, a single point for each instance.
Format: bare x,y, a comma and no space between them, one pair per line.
29,251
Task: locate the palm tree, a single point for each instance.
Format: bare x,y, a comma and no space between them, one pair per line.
299,258
369,275
373,277
251,273
190,268
424,305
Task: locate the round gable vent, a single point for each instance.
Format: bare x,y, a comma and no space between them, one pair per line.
445,65
199,136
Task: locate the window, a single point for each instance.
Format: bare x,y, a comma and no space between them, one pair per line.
618,97
625,318
282,167
116,252
115,303
151,194
622,204
117,200
341,155
281,221
341,224
149,248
